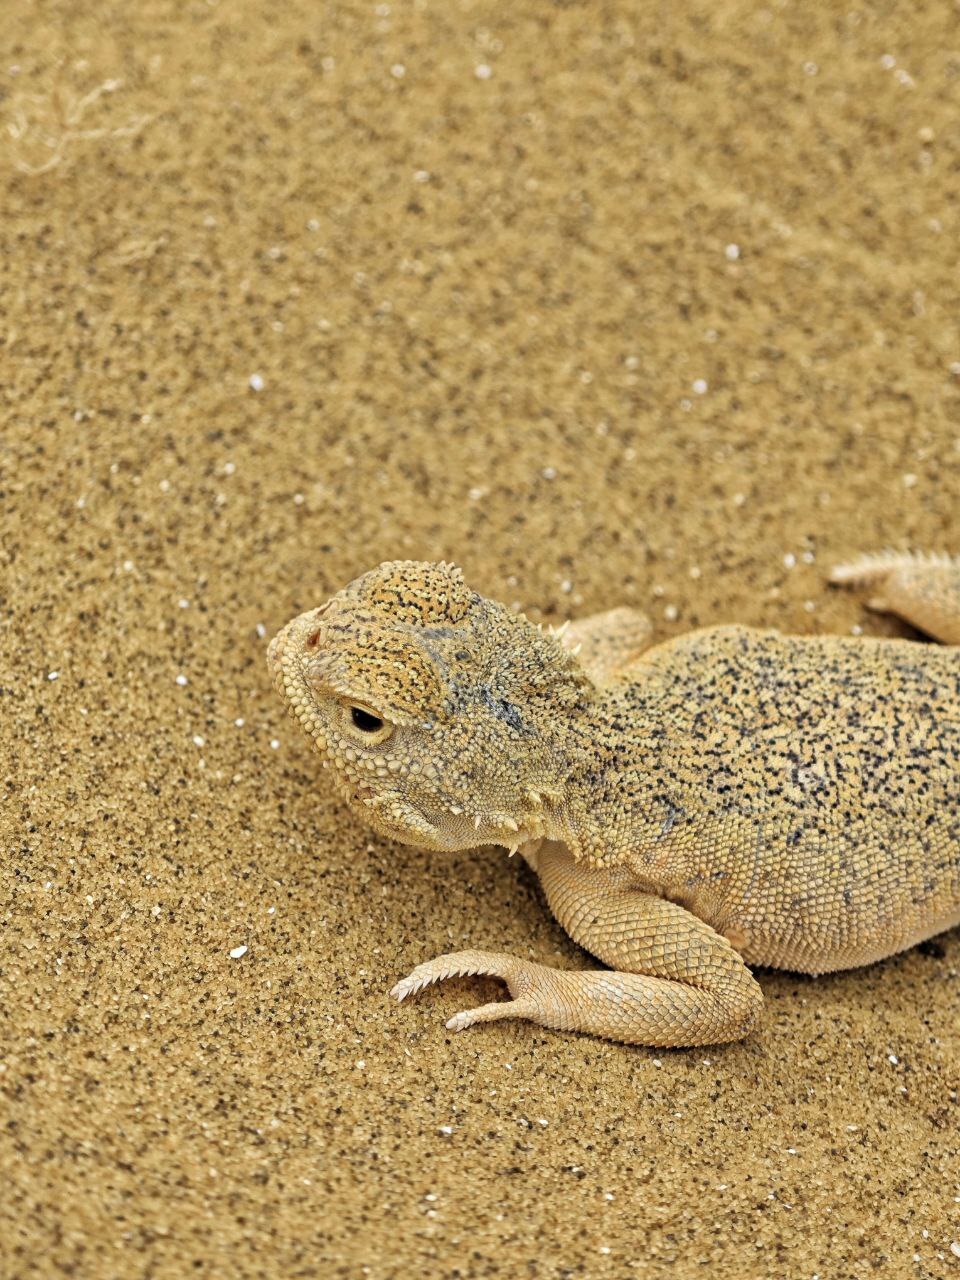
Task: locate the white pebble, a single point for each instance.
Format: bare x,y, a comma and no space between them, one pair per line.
274,742
181,679
183,603
955,1249
261,630
789,560
732,252
239,722
197,740
398,71
699,386
892,1059
549,473
482,71
671,613
237,952
909,480
256,382
53,675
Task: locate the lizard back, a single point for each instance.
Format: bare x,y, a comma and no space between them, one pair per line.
801,794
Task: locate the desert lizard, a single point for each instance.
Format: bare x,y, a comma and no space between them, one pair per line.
728,797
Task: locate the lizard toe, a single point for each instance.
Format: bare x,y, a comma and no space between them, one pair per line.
491,1013
456,964
519,975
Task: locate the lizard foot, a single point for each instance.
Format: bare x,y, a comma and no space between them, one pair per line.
523,979
925,590
634,1008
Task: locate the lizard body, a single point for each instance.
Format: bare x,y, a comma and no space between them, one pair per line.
727,797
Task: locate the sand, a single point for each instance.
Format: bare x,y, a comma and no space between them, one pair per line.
609,303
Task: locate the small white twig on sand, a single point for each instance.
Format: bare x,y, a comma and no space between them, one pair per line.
31,128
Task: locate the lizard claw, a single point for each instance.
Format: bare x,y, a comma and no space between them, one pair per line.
459,1020
455,965
485,1013
519,975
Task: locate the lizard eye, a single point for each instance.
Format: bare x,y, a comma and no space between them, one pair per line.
365,725
364,720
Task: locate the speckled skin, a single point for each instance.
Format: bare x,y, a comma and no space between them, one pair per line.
732,796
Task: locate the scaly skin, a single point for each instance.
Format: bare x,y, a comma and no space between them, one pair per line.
729,797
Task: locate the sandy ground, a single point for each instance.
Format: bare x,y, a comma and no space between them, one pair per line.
656,307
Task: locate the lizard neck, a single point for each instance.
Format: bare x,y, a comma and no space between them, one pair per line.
617,799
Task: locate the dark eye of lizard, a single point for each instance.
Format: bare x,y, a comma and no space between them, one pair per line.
364,721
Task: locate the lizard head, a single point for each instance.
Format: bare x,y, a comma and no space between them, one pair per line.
438,712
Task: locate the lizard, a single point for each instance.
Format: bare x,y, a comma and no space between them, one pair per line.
727,798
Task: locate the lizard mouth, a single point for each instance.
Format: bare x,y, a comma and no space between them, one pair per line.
391,810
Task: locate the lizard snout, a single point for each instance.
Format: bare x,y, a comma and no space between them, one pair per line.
302,635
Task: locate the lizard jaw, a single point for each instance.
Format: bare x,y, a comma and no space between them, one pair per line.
395,813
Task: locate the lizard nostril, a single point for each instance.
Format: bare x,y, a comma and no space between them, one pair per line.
314,639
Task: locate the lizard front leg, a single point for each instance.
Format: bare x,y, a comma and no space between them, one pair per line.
675,980
925,590
607,643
